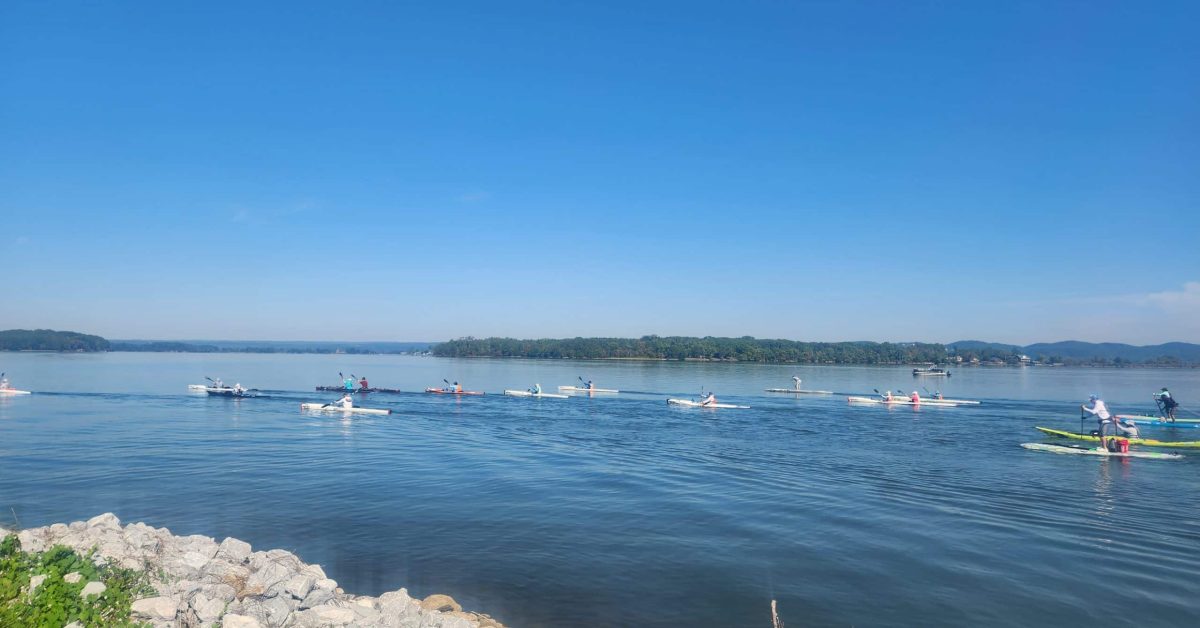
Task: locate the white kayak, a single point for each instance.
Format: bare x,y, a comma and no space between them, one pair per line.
13,391
961,402
696,404
1089,451
903,401
320,407
587,390
526,393
197,388
795,391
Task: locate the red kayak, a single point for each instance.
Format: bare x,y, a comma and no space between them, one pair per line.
451,391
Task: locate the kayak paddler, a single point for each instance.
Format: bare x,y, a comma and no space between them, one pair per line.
3,383
362,383
348,383
796,382
238,390
537,389
457,387
915,398
887,396
346,402
590,385
1167,402
709,400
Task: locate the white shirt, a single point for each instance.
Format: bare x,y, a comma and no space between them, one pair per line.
347,402
1099,409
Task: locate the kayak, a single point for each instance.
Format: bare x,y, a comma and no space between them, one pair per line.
587,390
933,372
696,404
526,393
800,392
1140,418
357,390
902,401
229,392
1068,449
13,391
1148,442
961,402
197,387
320,407
445,391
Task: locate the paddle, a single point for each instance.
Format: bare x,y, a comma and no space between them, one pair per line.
449,386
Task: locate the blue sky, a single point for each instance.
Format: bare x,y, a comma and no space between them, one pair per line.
1009,171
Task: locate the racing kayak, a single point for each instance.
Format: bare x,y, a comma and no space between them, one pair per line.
903,401
961,402
526,393
800,392
447,391
229,392
696,404
1144,418
587,390
1148,442
1068,449
320,407
357,390
13,391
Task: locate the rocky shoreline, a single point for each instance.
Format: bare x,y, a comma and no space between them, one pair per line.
201,583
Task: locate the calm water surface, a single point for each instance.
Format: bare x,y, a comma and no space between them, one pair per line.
622,511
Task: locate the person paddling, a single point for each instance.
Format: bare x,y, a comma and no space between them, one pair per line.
362,383
915,398
709,400
1167,402
796,382
458,388
1109,426
3,383
348,383
346,402
537,389
887,396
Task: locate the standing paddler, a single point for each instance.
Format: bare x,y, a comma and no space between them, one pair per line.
796,382
1167,403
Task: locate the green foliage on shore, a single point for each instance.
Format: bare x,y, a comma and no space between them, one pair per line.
744,349
50,340
56,602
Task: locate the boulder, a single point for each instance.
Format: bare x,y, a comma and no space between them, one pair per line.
239,621
35,582
315,598
207,609
233,550
261,581
299,585
161,607
106,520
440,603
72,577
93,588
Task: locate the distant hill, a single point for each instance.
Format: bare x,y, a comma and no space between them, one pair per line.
50,340
978,345
1183,351
269,346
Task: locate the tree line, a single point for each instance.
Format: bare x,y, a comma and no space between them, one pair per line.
50,340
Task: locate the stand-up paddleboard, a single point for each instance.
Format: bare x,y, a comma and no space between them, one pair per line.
526,393
320,407
1148,442
696,404
1068,449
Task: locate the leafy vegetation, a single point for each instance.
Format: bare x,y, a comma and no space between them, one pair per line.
57,602
50,340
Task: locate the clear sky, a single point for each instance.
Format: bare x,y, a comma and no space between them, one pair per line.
1006,171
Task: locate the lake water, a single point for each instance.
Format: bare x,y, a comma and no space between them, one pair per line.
622,511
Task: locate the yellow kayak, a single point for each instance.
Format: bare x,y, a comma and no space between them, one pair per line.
1148,442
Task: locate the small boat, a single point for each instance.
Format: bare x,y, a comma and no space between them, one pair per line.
797,391
325,407
1148,442
1068,449
587,390
696,404
527,393
357,390
903,401
451,391
13,392
931,372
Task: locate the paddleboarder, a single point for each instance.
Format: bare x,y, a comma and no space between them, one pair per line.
1109,426
1168,403
796,382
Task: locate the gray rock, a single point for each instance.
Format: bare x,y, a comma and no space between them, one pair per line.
74,624
156,607
326,583
72,577
33,540
219,591
234,551
299,585
35,582
261,581
106,520
207,609
239,621
277,611
77,526
316,597
58,529
93,588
